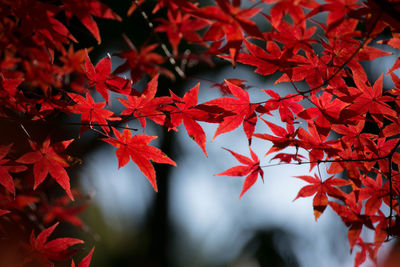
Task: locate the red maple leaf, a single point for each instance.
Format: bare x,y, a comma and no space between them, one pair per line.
188,113
100,77
328,110
137,148
62,209
46,159
43,251
243,111
9,93
294,8
380,149
270,60
72,60
312,69
231,21
283,139
337,11
371,100
350,213
142,61
224,88
321,189
375,193
294,37
44,29
179,27
146,105
85,10
316,143
251,168
85,262
91,112
361,256
288,158
5,169
19,202
286,105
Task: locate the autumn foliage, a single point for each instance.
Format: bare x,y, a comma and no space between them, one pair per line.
338,119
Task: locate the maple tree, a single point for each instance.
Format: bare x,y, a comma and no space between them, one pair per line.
338,119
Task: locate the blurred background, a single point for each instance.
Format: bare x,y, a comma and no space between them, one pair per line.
196,218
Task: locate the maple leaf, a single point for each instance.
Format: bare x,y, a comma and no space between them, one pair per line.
312,69
288,158
43,251
395,66
295,37
179,27
349,132
85,262
42,74
284,138
270,60
316,143
9,93
381,230
294,8
62,210
5,178
20,201
371,53
48,105
224,88
188,113
350,213
286,105
251,168
337,11
231,21
375,193
100,77
348,160
380,149
243,111
321,189
328,110
142,61
46,159
361,256
85,10
146,105
43,28
137,148
72,60
371,100
38,71
91,112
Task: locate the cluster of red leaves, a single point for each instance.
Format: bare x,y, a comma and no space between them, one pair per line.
43,77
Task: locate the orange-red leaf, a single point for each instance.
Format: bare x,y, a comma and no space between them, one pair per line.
57,249
46,159
137,148
251,169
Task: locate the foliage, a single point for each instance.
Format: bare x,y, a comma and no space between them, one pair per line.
339,119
